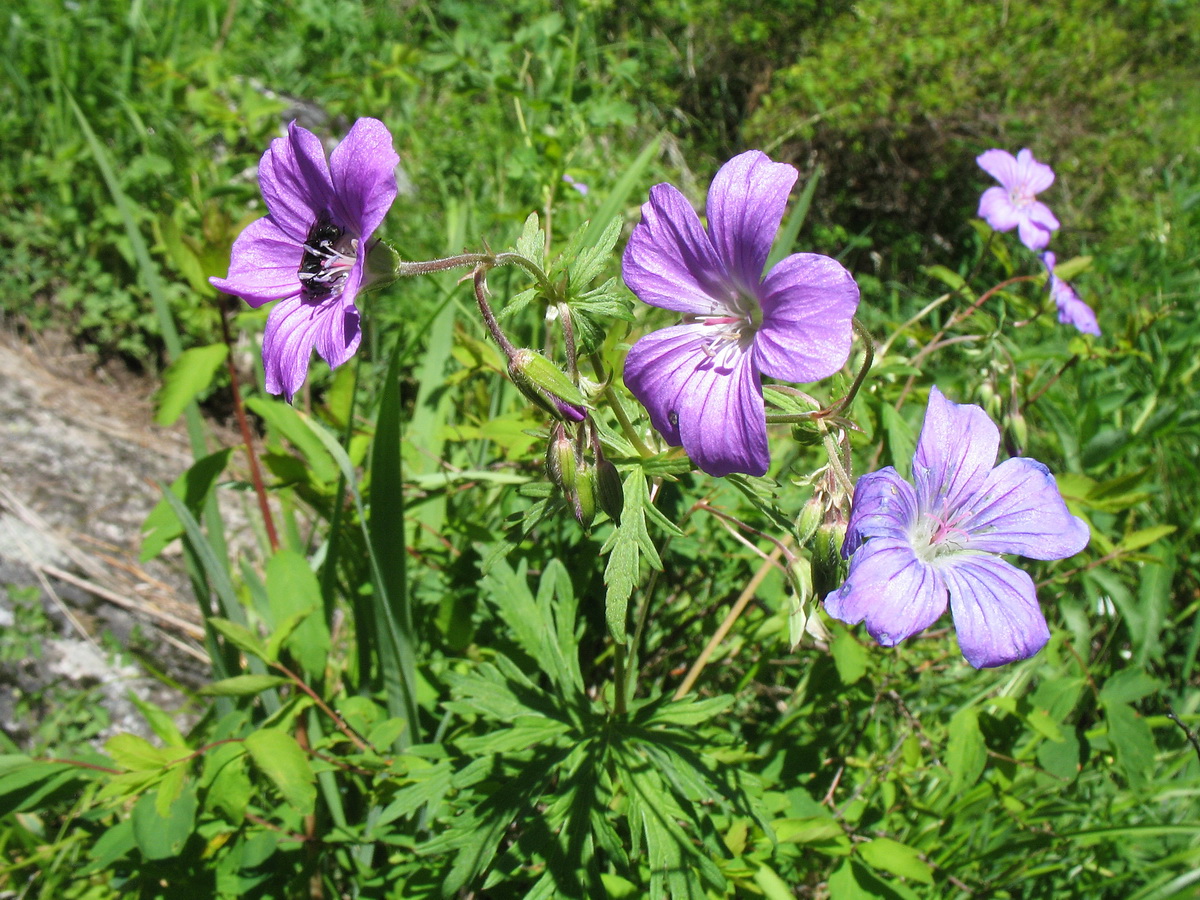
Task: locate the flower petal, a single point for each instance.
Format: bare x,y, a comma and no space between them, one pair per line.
363,170
885,506
339,334
808,301
745,206
1035,176
263,265
890,588
711,405
295,182
670,261
1073,311
1002,166
998,210
955,452
995,610
1034,228
293,327
1019,510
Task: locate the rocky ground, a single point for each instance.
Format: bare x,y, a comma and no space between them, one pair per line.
82,623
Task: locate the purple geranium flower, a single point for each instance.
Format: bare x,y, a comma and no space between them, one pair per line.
1014,203
309,251
700,380
1071,310
913,547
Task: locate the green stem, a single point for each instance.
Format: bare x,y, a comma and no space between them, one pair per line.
614,402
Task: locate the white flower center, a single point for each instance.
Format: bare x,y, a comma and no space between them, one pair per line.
936,534
329,254
1021,196
734,323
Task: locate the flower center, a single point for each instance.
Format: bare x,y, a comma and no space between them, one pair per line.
1021,196
329,254
733,323
936,535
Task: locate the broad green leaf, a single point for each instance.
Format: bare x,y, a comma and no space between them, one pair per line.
896,858
163,837
277,755
772,886
186,378
228,790
849,657
1132,740
137,754
1136,540
966,751
532,242
243,685
294,592
1128,685
193,488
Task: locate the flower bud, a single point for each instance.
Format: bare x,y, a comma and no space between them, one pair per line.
381,266
812,515
583,497
561,462
546,385
828,568
1018,431
611,491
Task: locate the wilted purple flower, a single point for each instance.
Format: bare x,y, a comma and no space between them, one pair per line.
913,547
1071,310
1014,203
309,250
700,380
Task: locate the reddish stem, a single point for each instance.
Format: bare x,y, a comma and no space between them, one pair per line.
260,490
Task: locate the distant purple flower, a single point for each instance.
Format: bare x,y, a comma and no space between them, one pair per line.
309,251
1014,203
578,185
913,547
1071,310
700,380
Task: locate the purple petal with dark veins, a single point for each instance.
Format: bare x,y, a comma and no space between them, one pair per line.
955,452
745,206
995,609
295,182
363,171
711,405
885,506
808,302
263,265
670,261
1019,510
889,588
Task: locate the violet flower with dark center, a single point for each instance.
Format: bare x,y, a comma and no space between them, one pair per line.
700,380
1071,310
310,250
914,547
1014,204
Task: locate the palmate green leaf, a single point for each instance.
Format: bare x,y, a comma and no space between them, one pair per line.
628,542
762,494
187,377
426,784
592,313
532,242
276,755
501,691
688,711
594,259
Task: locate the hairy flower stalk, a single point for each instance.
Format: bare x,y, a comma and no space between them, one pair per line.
700,380
911,548
309,252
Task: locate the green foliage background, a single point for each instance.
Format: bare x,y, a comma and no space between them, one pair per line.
504,761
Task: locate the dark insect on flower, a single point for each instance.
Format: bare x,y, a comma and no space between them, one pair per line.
324,266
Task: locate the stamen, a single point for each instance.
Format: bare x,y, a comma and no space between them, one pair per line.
328,258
